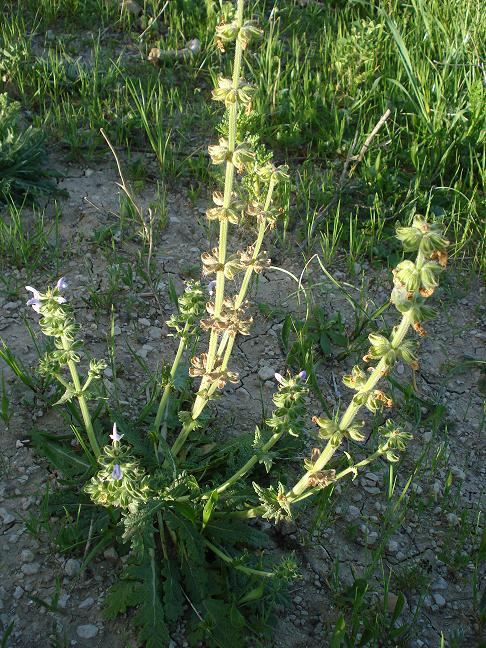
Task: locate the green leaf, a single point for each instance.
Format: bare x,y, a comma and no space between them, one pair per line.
253,595
209,508
62,456
150,613
338,338
324,343
120,597
173,596
398,608
338,634
235,532
173,294
285,334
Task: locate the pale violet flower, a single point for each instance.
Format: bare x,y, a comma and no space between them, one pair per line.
211,287
303,375
35,301
117,473
62,284
114,436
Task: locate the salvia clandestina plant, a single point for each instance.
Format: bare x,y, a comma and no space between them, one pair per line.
183,502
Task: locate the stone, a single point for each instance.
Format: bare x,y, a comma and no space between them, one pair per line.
29,569
393,546
439,600
18,592
266,373
458,472
26,556
131,7
353,512
72,567
63,600
110,554
87,603
155,332
6,516
453,519
87,631
440,584
372,477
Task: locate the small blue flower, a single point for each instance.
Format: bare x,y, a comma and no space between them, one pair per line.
62,284
303,375
117,473
114,436
211,287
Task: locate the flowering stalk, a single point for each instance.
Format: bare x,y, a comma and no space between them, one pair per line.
55,322
414,282
226,313
228,190
190,307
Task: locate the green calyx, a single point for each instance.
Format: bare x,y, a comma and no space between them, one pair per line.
190,307
422,236
393,440
414,278
120,481
242,95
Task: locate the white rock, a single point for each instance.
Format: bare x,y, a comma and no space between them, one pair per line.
440,600
72,567
440,584
26,556
353,512
18,591
110,554
453,519
87,631
266,373
6,516
30,568
63,600
458,472
155,332
88,602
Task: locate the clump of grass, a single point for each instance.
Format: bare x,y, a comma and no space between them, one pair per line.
22,156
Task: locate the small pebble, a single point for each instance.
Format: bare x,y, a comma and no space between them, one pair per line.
30,568
72,567
87,631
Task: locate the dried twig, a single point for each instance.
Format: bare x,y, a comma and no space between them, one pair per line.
344,177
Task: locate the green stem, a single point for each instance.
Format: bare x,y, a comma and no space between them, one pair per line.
167,389
246,467
83,405
228,560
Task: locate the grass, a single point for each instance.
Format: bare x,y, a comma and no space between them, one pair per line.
316,103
